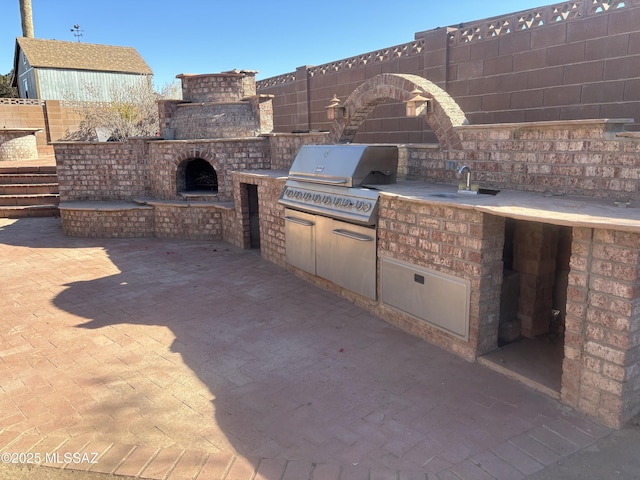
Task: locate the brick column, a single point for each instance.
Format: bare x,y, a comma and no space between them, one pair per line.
601,369
301,112
53,120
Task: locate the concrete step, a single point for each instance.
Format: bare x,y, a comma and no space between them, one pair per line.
28,188
28,191
22,178
21,211
27,200
42,169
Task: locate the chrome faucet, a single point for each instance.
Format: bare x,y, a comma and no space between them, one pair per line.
461,171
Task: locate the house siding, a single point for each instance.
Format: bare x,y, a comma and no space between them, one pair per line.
26,73
58,84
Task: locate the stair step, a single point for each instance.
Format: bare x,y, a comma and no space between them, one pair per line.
28,188
43,169
10,178
25,200
29,211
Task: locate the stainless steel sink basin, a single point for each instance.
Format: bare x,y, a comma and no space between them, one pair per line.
443,195
480,192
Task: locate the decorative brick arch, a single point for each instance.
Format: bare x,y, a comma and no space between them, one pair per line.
445,116
185,157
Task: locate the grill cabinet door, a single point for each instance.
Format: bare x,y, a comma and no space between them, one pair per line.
346,255
300,240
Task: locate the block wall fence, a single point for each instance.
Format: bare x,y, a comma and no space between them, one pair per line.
576,60
53,117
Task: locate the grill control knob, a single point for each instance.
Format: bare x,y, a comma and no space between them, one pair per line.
326,199
317,197
359,205
336,201
366,207
307,196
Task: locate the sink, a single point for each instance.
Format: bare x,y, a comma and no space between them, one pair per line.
443,195
460,194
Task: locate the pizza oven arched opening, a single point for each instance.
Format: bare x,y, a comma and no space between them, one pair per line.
196,175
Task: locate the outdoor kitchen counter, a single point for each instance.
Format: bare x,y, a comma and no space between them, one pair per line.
566,210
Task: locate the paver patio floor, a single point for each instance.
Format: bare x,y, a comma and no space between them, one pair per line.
176,359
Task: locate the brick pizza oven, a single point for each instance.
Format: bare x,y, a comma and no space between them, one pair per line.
214,130
179,185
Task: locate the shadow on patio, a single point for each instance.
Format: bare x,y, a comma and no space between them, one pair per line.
203,346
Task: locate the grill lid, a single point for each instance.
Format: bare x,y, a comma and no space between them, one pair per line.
330,180
346,165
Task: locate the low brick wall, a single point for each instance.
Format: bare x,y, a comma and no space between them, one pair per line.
86,221
180,220
188,220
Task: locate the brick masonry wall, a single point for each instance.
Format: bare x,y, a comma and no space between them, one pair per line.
166,111
225,156
183,220
284,148
15,146
102,171
122,223
601,368
263,105
187,221
593,158
535,248
214,120
576,64
463,243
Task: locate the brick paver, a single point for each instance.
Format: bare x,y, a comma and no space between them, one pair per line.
179,359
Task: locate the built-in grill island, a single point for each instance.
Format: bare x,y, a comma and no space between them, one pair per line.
332,210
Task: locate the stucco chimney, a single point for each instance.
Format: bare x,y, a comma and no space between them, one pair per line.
27,18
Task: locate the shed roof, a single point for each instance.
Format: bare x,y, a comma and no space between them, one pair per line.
81,56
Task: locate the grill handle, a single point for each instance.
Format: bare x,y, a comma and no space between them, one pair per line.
352,235
299,221
304,178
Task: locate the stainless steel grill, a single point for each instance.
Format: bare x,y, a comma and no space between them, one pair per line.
339,181
332,210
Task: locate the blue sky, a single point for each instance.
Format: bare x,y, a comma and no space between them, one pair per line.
200,36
